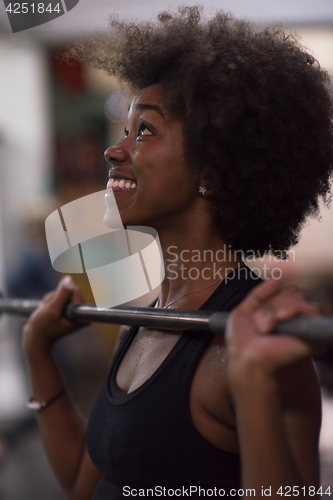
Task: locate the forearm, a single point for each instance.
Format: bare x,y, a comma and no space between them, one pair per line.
61,425
275,392
268,459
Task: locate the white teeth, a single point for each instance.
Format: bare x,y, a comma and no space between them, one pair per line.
122,183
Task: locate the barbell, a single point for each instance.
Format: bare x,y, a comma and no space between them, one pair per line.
312,329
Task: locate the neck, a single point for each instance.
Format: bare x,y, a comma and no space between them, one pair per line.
196,260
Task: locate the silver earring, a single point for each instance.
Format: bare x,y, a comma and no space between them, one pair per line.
202,190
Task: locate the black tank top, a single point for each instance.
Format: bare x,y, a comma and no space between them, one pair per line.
145,440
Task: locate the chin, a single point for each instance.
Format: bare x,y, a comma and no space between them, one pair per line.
112,220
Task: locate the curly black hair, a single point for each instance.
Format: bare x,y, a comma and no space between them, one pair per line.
257,112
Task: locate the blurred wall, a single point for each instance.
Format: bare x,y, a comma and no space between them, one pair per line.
24,171
314,253
2,248
24,131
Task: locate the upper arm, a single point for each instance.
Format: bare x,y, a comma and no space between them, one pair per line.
301,409
87,479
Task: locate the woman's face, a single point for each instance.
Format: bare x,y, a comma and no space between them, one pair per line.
149,176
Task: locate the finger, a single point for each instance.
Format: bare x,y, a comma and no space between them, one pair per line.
318,305
267,319
77,295
297,308
47,297
281,351
66,282
260,294
62,294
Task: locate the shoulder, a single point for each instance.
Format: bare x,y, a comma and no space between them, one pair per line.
234,288
210,387
211,404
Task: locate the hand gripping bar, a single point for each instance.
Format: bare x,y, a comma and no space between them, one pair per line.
312,329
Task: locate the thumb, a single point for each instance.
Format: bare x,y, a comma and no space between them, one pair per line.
77,295
62,295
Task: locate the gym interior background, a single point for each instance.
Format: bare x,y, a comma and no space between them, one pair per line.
55,122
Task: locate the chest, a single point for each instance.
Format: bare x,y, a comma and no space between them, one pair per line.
209,400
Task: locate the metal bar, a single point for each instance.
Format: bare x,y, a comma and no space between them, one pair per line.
143,316
314,329
22,307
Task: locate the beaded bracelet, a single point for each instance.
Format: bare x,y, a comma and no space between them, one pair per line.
38,406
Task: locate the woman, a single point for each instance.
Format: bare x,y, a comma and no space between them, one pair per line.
228,146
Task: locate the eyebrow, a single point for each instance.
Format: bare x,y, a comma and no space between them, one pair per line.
150,106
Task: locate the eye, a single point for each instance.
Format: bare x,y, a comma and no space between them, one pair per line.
144,130
126,132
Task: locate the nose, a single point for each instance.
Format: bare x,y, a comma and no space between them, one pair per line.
116,154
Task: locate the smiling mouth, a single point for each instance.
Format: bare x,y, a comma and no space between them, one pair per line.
120,185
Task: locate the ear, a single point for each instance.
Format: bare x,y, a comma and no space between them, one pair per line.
204,187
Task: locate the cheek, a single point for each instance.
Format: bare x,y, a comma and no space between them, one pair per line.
174,166
177,189
182,177
164,168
